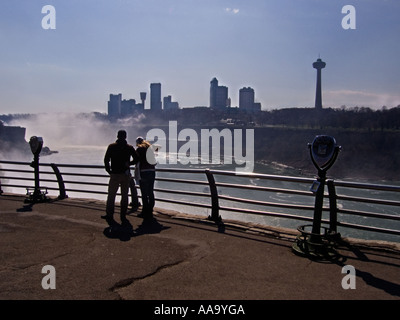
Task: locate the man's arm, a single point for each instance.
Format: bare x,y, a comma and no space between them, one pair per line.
135,157
107,159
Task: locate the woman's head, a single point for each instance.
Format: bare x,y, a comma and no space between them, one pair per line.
140,142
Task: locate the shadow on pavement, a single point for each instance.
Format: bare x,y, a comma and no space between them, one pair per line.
125,231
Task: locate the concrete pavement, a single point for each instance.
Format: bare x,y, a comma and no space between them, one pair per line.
173,257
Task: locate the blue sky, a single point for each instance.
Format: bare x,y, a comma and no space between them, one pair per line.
121,46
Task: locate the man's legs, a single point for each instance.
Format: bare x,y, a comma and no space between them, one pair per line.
124,182
113,186
134,194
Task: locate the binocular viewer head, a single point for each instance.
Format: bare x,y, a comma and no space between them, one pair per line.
36,144
323,151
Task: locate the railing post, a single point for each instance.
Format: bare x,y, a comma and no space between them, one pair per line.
61,186
214,197
332,206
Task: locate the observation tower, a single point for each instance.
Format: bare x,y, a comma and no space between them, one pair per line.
319,64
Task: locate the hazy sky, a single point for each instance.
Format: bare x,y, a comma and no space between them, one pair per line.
121,46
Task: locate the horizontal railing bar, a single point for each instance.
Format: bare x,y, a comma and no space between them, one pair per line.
180,170
368,228
187,193
86,183
16,170
47,173
369,200
358,185
267,204
53,188
15,162
15,186
89,191
78,174
26,187
19,178
55,181
267,189
182,181
265,213
184,203
369,214
262,176
81,166
86,191
85,175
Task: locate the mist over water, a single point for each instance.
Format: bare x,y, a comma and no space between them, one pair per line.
67,129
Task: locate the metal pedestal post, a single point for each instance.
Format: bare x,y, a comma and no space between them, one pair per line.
37,195
315,244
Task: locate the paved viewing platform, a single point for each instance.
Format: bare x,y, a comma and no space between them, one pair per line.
175,256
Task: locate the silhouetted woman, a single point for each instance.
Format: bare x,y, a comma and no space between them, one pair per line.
147,177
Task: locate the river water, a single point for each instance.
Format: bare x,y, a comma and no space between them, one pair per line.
93,155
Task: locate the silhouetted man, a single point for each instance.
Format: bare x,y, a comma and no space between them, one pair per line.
119,153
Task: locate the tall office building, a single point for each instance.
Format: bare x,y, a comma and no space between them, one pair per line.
114,105
218,95
127,107
246,98
213,92
155,96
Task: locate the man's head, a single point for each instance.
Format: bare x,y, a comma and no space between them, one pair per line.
121,135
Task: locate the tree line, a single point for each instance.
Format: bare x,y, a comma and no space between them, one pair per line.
353,118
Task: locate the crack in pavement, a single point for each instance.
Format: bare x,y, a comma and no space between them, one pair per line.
198,250
127,282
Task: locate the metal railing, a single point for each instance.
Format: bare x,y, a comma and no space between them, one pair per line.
230,192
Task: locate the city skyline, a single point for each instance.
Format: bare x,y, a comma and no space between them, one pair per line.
100,47
219,99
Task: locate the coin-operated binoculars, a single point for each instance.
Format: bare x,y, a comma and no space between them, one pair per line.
36,144
323,152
